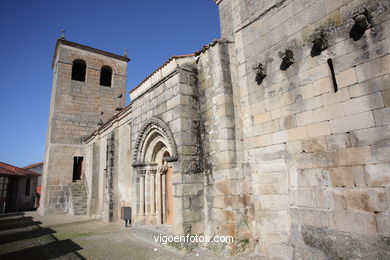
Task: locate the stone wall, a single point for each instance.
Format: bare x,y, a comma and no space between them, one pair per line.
316,158
225,189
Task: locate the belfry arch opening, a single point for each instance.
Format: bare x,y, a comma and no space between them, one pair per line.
105,76
79,69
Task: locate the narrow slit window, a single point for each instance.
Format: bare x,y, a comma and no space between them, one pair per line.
79,69
106,76
77,168
333,75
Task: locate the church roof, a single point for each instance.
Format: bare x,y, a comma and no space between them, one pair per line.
159,68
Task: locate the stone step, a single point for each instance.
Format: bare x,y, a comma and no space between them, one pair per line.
78,195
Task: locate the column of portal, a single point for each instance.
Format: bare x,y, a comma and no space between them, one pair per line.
142,194
153,192
147,194
163,188
158,197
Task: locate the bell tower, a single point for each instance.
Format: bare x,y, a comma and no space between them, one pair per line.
88,88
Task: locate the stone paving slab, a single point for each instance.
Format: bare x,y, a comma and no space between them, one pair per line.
29,236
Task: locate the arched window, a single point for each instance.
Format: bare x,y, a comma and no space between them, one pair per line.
105,76
79,68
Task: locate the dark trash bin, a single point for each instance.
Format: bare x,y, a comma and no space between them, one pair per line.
126,215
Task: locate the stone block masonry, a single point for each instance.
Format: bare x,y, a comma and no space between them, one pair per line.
311,151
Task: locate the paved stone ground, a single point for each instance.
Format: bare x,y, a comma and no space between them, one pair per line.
29,236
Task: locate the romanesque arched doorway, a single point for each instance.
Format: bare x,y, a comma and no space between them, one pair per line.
155,149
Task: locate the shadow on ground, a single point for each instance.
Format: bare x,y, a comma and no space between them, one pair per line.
23,238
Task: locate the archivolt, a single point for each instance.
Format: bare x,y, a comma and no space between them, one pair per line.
153,131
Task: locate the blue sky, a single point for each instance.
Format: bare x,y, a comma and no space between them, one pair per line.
152,31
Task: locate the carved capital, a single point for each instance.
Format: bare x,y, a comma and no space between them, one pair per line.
162,169
142,172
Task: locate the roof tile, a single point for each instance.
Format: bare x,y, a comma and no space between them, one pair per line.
10,170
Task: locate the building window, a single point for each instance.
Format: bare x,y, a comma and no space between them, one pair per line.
333,75
79,69
77,168
106,76
28,187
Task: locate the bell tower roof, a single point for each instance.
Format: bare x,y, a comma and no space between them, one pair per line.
86,48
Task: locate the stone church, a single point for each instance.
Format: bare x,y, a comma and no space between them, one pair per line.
277,134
